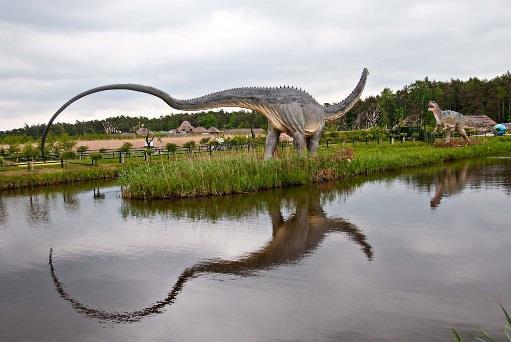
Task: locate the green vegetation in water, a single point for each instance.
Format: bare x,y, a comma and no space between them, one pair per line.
249,173
484,336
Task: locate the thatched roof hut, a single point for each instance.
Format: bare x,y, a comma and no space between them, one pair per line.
200,130
185,127
480,122
213,130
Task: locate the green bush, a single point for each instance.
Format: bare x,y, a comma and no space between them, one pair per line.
126,147
190,145
171,148
95,156
29,152
68,155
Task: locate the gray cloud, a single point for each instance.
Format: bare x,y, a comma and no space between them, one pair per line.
50,52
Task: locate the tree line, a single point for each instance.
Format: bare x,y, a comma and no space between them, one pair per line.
408,106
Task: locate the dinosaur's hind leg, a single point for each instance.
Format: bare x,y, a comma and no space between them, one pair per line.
462,132
313,142
271,142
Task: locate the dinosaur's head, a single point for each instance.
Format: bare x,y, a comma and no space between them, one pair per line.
433,106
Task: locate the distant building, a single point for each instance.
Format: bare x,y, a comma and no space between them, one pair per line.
213,130
200,130
482,123
185,127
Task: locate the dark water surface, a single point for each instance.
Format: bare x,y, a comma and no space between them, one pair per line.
391,259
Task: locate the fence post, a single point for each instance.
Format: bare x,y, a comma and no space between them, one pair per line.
353,141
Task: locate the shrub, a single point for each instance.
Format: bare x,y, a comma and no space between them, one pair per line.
29,152
126,147
190,145
68,155
81,150
14,151
95,156
205,140
171,148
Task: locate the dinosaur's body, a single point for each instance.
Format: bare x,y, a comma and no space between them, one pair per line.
449,120
288,110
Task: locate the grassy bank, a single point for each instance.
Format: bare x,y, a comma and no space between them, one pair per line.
249,173
53,176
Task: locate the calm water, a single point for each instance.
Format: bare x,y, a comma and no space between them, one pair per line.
394,259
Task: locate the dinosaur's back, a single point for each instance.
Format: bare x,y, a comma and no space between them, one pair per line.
452,118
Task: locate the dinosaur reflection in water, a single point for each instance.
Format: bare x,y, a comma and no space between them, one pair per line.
450,182
292,239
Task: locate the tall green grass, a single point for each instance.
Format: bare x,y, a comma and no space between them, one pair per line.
57,177
249,173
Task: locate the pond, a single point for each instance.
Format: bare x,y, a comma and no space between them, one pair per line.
400,257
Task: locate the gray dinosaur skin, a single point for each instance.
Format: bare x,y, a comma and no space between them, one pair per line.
449,120
288,110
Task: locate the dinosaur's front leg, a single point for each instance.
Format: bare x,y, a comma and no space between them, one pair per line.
299,141
271,142
448,136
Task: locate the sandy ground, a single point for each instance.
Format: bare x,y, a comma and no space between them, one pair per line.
139,143
161,142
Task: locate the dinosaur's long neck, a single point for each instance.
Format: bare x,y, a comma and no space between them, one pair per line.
239,97
339,110
437,113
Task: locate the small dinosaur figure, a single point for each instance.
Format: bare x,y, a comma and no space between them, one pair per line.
288,109
448,120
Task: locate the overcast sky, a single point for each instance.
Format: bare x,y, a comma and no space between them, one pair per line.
52,50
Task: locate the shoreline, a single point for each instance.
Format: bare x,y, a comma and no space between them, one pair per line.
249,173
181,179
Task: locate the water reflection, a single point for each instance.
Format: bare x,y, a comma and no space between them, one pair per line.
293,238
3,213
97,194
38,209
450,182
71,202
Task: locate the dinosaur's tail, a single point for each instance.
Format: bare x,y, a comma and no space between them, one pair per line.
135,87
339,110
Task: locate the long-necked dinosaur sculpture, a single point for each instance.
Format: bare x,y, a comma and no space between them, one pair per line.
288,109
